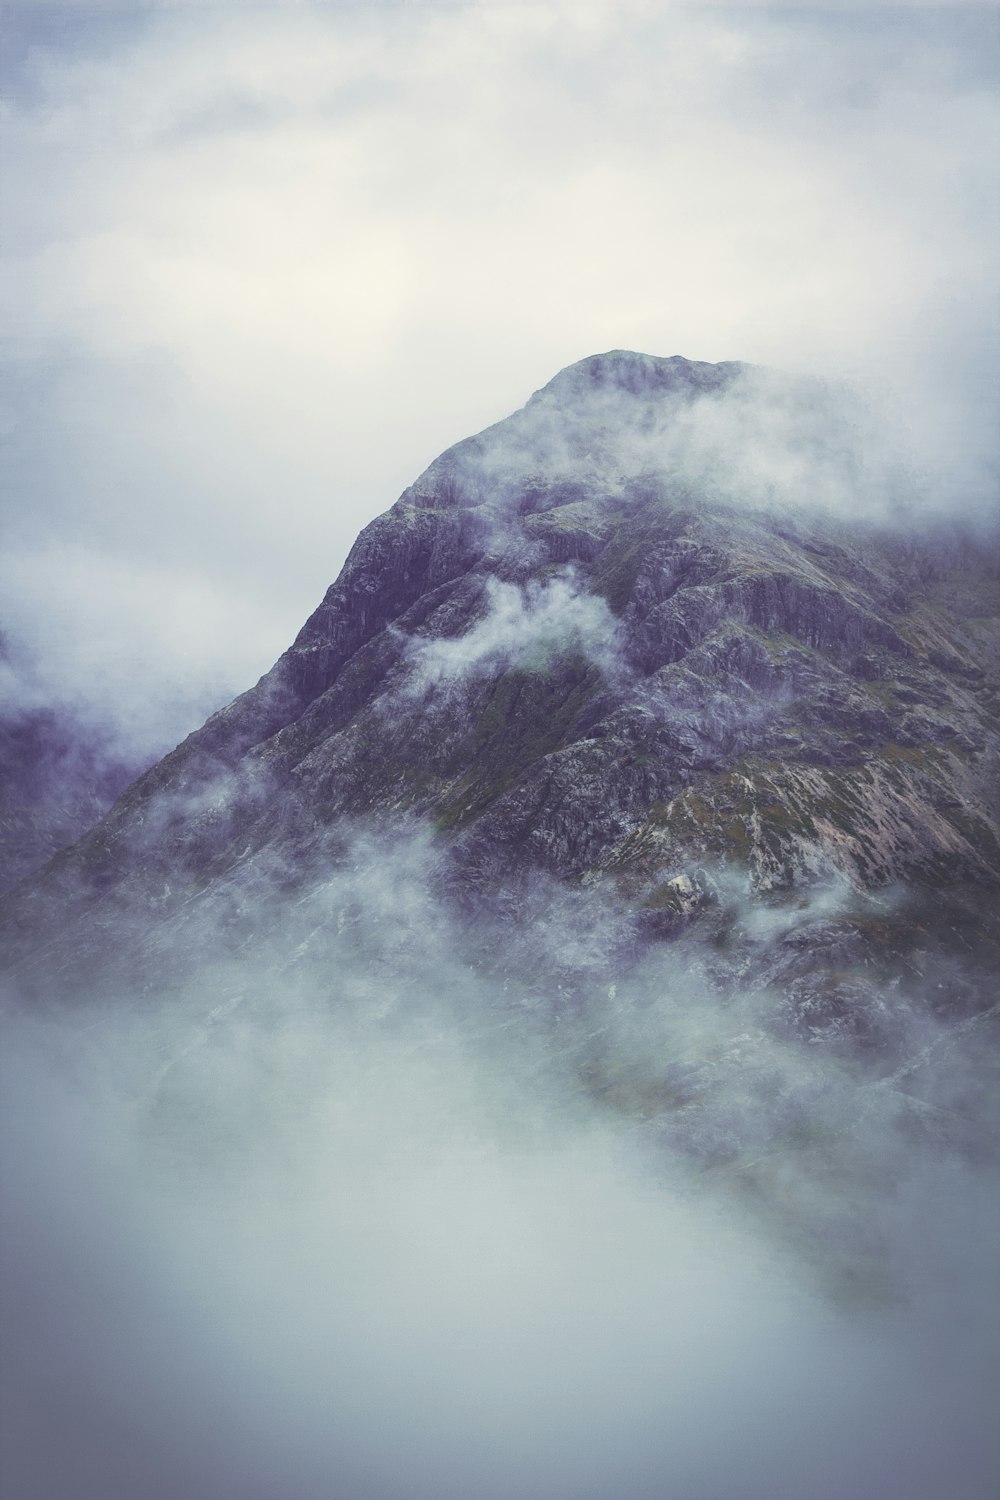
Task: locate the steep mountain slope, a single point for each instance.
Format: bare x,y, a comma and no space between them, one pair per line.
573,644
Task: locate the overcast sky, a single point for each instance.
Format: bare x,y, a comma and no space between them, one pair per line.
262,263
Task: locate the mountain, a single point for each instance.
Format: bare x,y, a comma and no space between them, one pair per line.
600,893
599,640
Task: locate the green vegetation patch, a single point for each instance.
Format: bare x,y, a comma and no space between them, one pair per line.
522,717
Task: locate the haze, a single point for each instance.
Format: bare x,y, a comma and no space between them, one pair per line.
265,262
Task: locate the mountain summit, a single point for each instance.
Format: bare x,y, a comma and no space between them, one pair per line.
638,375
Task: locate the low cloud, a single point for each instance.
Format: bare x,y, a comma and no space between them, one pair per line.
526,627
359,1199
85,629
751,438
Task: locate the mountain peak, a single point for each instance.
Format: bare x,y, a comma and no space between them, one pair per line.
638,374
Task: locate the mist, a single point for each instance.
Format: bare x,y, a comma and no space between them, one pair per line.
331,1166
355,1194
527,627
264,265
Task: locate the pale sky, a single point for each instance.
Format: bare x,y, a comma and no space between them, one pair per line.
262,263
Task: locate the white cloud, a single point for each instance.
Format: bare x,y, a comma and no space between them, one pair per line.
267,262
525,627
104,620
372,1198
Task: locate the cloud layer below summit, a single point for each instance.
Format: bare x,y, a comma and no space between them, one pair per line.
354,1206
265,264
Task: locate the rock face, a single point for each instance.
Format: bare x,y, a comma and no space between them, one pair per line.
609,640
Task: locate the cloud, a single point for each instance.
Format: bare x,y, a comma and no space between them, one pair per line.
522,627
266,263
372,1203
97,623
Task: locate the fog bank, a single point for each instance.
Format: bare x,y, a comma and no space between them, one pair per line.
360,1214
